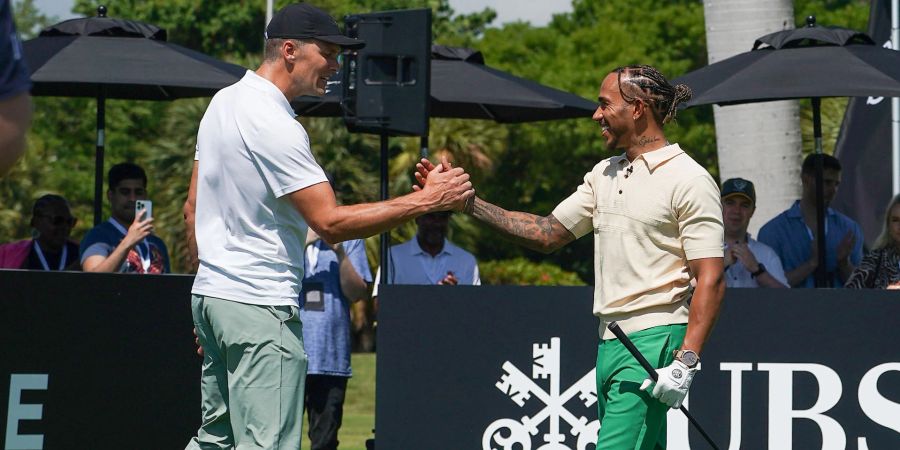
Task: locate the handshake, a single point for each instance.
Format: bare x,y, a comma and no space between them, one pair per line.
447,187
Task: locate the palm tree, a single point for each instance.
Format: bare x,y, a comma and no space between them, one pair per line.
760,142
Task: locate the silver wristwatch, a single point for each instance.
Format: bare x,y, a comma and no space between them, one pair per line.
687,357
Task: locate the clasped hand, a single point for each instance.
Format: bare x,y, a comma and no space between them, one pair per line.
427,174
672,384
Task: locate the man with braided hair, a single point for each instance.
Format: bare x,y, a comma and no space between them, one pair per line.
656,218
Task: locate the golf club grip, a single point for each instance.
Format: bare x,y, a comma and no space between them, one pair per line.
614,327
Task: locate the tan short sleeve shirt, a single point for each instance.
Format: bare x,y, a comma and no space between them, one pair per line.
649,218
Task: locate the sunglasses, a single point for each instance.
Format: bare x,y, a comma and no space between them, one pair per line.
60,220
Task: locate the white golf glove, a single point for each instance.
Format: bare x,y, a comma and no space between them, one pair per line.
673,383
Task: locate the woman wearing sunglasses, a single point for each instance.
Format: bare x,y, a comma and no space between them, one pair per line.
50,248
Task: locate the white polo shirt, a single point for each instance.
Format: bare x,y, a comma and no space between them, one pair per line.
249,236
649,217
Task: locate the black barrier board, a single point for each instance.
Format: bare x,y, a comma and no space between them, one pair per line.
106,361
97,361
474,368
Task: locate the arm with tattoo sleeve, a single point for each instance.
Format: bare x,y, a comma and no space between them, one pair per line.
544,234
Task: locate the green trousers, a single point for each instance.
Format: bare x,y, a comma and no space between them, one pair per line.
253,376
631,419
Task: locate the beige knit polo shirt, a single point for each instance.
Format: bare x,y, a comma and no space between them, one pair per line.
649,218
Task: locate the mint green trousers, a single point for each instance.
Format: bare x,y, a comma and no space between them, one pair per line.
630,419
253,375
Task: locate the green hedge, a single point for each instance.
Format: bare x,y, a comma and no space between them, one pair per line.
521,271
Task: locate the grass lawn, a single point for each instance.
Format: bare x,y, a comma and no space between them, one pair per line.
359,405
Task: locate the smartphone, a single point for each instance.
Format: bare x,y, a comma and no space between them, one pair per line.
141,205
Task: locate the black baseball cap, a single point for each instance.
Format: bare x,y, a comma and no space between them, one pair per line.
739,186
305,21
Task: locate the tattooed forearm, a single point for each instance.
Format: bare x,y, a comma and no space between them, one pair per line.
544,234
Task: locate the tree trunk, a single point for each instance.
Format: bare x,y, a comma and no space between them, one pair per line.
759,142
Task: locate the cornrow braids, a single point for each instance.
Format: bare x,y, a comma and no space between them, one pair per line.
645,83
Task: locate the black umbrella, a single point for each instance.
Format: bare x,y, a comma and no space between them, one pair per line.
104,58
462,86
806,62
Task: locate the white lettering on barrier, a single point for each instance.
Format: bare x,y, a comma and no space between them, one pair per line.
736,400
781,412
18,411
510,433
881,410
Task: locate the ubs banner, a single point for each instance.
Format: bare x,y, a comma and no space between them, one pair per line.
106,361
513,368
97,361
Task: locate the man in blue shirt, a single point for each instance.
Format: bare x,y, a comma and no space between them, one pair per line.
334,277
791,233
430,258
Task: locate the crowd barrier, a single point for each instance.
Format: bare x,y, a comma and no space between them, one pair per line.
106,361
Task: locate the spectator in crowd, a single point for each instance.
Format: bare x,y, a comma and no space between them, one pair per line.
51,248
748,262
880,269
125,242
335,277
430,258
791,233
15,103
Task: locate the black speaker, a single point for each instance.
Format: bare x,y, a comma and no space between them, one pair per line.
386,85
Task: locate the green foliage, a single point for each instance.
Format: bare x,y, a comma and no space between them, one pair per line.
29,20
528,167
520,271
842,13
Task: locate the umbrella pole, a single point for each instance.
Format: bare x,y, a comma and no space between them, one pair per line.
98,158
386,268
821,269
895,102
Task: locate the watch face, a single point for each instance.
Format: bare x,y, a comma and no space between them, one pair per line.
688,357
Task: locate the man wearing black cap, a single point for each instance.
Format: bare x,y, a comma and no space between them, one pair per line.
249,207
748,262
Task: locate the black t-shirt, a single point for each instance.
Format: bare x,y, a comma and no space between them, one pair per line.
33,262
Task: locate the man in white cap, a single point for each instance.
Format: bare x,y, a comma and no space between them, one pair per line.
249,207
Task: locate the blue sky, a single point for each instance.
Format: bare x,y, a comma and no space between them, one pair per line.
538,12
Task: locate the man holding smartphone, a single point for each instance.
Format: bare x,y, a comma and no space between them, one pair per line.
125,242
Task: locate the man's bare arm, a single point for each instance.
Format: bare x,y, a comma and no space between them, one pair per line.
445,190
15,118
353,286
138,230
706,301
190,211
544,234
